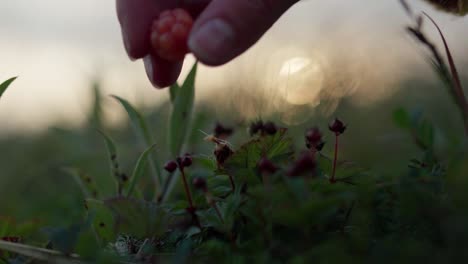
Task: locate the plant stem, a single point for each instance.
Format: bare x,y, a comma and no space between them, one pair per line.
233,186
335,159
215,207
187,190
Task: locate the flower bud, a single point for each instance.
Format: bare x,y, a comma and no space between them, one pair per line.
170,166
303,165
270,128
199,183
222,132
337,126
266,166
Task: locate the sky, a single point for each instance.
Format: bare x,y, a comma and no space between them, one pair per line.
57,48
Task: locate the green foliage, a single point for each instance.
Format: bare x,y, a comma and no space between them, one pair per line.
182,112
4,86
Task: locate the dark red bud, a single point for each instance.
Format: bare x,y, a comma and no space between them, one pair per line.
270,128
303,165
187,161
337,126
170,166
221,131
199,183
313,138
266,166
256,127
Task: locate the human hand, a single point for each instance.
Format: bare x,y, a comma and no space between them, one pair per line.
223,29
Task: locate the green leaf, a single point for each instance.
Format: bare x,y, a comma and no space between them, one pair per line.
137,120
5,85
87,185
242,164
173,92
140,125
112,152
181,113
103,221
401,118
139,169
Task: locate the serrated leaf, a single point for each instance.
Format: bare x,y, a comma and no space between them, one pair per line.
112,153
140,126
181,113
5,85
242,164
139,170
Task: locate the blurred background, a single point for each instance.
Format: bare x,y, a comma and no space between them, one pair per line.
351,59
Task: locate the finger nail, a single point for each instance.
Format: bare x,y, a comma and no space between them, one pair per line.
213,41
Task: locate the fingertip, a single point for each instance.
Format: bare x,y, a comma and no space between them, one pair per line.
160,72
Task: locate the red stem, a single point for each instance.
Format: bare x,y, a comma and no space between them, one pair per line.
187,190
335,159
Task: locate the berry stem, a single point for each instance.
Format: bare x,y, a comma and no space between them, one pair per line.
335,159
186,187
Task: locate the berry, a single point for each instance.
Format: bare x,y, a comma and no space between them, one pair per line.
266,166
270,128
171,166
169,34
337,126
199,183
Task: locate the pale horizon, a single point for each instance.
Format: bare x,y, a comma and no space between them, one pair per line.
58,47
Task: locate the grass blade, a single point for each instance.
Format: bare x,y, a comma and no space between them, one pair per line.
173,92
457,86
139,169
114,165
5,85
181,113
141,127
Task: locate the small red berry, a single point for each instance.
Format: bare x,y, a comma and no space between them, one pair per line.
337,126
199,183
171,166
266,166
169,34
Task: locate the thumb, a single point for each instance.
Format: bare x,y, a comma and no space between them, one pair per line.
227,28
